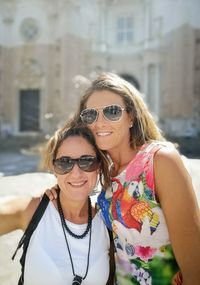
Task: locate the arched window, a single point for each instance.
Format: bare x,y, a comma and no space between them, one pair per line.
131,79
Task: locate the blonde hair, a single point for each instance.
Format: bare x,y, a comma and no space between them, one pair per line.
74,130
144,128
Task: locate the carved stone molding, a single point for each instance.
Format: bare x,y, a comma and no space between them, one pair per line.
8,11
29,29
30,75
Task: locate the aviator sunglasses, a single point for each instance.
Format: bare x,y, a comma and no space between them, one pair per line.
65,164
111,113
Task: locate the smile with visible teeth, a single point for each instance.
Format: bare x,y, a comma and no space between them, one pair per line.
77,184
103,134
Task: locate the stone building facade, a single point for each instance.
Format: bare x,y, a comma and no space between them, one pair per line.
50,48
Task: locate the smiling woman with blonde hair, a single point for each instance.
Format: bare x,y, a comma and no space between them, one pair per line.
151,206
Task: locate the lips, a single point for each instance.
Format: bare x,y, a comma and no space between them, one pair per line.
103,134
77,184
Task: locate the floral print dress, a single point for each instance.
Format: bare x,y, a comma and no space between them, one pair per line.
130,209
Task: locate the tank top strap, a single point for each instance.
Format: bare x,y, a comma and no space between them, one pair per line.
152,147
149,152
142,164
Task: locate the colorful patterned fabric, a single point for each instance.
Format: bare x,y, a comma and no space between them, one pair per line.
131,210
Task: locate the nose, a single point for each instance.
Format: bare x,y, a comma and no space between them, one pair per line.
76,171
100,118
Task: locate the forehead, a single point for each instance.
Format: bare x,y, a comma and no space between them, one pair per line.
104,98
75,147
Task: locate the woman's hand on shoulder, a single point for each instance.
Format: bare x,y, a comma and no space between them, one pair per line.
52,193
16,213
176,195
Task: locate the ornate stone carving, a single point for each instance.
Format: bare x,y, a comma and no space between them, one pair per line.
31,75
8,8
29,29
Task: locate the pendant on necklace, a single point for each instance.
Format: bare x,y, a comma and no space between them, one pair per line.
77,280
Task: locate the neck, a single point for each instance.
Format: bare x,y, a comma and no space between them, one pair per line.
74,211
122,159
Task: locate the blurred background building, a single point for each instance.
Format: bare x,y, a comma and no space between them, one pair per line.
49,49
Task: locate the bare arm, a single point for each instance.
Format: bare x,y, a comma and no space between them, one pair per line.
16,213
177,197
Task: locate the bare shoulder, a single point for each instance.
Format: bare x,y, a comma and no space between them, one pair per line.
169,159
171,175
168,152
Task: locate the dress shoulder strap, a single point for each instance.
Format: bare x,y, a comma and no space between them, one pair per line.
28,233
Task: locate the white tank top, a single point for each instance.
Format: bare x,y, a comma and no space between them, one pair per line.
47,259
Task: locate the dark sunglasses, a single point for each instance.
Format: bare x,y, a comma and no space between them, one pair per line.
65,164
111,113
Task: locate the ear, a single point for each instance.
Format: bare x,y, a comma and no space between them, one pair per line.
131,120
131,123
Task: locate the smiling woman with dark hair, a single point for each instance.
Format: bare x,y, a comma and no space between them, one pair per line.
70,244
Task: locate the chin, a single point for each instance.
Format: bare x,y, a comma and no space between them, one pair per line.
78,196
107,147
103,145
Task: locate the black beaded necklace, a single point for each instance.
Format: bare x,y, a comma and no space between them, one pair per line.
77,279
65,225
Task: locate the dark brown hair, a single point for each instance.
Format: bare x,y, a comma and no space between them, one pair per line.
74,130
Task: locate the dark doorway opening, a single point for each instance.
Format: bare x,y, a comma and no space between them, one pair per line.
29,110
